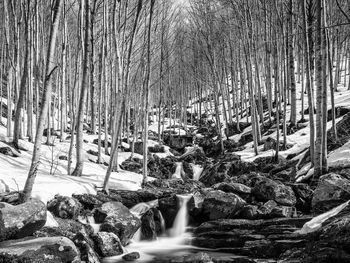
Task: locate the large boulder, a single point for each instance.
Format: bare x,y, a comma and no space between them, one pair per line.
148,226
267,189
194,155
168,206
161,168
86,247
132,198
107,244
39,250
304,194
64,207
91,201
21,220
116,218
132,165
332,190
213,174
218,204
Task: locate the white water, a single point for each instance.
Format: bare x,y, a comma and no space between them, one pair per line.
177,242
181,219
178,171
197,171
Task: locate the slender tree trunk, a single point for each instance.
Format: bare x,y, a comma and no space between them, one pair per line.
45,100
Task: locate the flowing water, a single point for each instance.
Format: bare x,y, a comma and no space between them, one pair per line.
175,242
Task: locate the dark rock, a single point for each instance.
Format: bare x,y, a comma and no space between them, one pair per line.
188,169
92,152
53,132
132,198
90,201
303,194
267,163
6,150
266,189
63,157
168,207
158,221
343,135
161,168
232,128
286,175
40,250
86,248
199,257
195,156
21,220
213,174
107,244
132,165
332,190
270,144
95,141
131,256
148,226
218,204
64,207
236,188
116,218
138,147
273,210
249,212
246,137
156,148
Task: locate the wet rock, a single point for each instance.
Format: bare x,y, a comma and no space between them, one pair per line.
6,150
199,257
218,204
158,221
188,169
213,174
107,244
168,207
195,156
116,218
303,194
91,201
132,198
131,256
236,188
64,207
266,189
148,226
66,227
39,250
21,220
332,190
86,248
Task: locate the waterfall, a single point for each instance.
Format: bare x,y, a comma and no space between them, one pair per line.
197,171
181,219
162,222
178,171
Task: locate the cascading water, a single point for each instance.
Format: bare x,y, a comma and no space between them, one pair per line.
175,243
181,219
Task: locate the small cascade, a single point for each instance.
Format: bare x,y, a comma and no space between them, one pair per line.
181,219
162,222
178,171
197,171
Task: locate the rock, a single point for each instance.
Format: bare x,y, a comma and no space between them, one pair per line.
332,190
116,218
273,210
236,188
39,250
86,248
148,226
343,136
156,149
91,201
66,227
218,204
267,163
107,244
6,150
195,155
249,212
246,137
132,198
53,132
92,152
303,194
266,189
138,147
270,144
213,174
63,157
232,128
161,168
132,165
64,207
199,257
95,141
131,256
168,207
21,220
